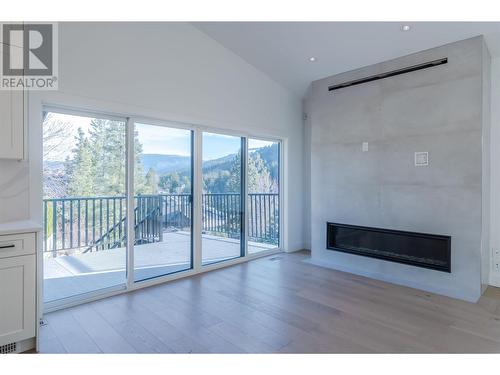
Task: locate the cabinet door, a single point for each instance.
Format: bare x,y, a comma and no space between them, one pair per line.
17,298
11,125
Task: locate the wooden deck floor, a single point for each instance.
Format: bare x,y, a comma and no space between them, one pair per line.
73,275
276,304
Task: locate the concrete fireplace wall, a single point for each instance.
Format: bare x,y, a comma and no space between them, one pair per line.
439,110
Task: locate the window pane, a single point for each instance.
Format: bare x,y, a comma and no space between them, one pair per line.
221,199
263,211
84,206
162,196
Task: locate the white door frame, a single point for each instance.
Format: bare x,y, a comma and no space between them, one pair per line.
197,152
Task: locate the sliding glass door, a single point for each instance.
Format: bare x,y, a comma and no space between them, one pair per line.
263,199
100,236
84,204
163,174
222,208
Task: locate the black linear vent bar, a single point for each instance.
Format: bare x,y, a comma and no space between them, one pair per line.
397,72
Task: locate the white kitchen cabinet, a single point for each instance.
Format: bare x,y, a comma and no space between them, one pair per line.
17,288
11,124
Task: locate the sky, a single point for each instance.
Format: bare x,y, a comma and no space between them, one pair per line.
156,140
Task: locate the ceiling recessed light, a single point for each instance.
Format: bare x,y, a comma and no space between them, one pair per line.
312,59
406,27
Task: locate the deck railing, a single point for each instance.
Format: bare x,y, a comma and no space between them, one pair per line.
99,223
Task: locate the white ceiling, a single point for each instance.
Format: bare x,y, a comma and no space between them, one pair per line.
282,49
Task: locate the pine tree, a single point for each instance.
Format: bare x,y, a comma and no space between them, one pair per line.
139,178
259,178
151,185
98,162
234,182
258,175
112,162
80,169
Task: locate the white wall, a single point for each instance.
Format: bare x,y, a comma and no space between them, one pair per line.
14,190
495,171
168,71
486,169
307,170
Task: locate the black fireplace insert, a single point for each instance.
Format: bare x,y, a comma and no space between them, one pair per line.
417,249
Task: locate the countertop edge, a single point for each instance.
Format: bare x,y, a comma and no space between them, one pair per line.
17,227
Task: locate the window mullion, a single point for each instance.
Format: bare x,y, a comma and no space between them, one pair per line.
130,203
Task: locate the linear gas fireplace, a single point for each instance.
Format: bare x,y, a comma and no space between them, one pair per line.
417,249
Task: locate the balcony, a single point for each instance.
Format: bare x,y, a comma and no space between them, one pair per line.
85,238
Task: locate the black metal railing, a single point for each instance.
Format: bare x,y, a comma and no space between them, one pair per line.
264,218
99,223
73,223
221,214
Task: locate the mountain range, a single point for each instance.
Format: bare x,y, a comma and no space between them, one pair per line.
164,164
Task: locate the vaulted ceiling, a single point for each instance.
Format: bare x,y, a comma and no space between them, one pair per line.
282,49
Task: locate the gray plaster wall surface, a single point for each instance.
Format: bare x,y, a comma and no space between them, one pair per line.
438,110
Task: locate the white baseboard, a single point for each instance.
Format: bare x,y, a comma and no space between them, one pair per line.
495,279
295,250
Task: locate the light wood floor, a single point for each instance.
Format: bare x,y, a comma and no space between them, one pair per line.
276,304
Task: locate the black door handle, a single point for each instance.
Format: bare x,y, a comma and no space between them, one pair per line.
7,246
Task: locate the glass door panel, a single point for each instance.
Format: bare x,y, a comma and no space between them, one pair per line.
163,169
84,205
263,187
222,198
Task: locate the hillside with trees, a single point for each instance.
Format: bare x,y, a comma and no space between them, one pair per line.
96,167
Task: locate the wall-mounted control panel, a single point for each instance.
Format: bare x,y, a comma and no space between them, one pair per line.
421,159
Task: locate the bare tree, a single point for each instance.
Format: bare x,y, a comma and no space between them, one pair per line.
55,133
